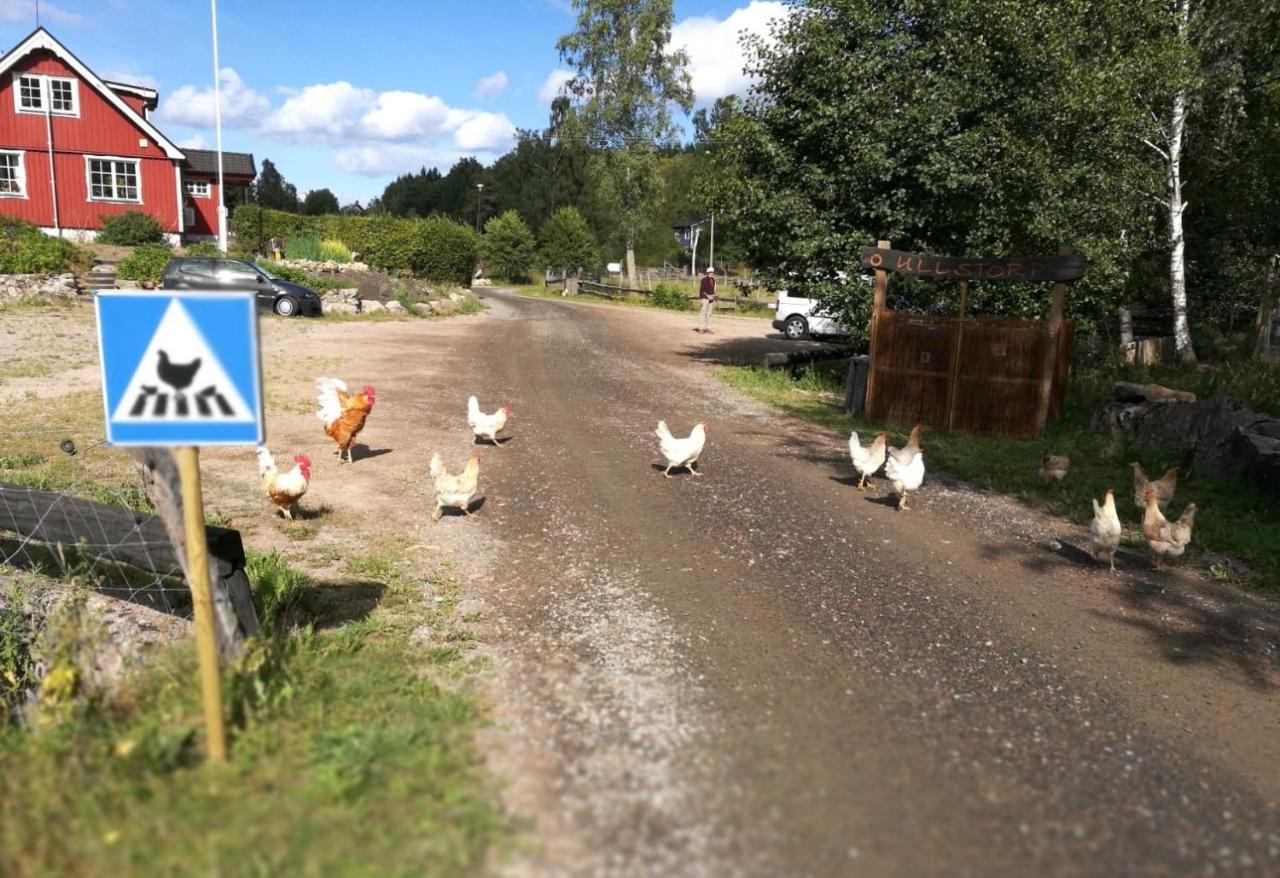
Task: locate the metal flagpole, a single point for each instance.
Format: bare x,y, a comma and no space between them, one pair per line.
217,128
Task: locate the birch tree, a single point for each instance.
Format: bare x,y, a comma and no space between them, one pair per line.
625,83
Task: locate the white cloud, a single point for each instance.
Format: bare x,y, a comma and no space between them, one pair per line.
242,107
195,141
717,61
485,132
405,115
331,109
25,11
553,85
492,85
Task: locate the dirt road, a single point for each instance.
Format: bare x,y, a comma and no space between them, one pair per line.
763,671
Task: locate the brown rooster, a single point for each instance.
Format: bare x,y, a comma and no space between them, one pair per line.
343,413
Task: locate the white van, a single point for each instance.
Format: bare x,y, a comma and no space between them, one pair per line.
798,318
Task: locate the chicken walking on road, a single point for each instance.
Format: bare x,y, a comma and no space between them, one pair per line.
1104,530
905,468
454,491
867,461
343,413
486,426
1054,467
681,452
1167,539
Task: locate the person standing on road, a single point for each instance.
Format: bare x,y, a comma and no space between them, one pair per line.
707,298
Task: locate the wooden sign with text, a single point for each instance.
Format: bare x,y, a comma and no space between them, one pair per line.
1032,269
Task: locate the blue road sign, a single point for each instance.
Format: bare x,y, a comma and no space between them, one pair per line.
180,368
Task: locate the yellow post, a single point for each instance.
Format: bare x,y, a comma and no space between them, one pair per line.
202,601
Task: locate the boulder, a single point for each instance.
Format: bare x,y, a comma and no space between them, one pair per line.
353,265
395,307
369,306
424,309
339,308
444,306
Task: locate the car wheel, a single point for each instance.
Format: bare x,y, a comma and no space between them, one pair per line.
286,307
796,327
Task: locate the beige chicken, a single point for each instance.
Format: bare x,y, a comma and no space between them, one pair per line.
905,468
1167,539
455,491
1163,486
1054,467
1104,530
867,460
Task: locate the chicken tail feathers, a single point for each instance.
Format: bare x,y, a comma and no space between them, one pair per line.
266,463
662,432
473,408
437,466
327,390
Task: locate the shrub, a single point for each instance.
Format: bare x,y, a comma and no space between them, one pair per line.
508,246
446,251
304,246
276,587
24,249
201,248
666,296
567,241
130,228
334,251
298,276
146,264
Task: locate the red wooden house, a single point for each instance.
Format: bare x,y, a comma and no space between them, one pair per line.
75,148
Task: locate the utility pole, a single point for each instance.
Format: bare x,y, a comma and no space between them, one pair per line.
711,260
479,194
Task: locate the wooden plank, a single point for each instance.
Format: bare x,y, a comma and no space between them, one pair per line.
1063,268
878,304
1057,311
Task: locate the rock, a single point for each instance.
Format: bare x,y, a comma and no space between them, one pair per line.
355,266
424,309
421,635
395,307
444,306
339,308
469,607
1149,393
38,286
455,297
370,306
1222,436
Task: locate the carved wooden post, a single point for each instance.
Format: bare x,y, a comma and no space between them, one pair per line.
877,308
957,343
1057,311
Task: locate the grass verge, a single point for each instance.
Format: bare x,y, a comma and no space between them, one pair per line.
351,753
1233,519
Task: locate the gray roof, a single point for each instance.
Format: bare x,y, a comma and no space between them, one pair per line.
236,164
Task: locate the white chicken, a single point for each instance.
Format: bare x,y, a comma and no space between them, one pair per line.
905,468
681,452
486,426
867,460
454,492
1104,530
284,490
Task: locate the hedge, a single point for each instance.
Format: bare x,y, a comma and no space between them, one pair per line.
24,249
146,264
436,248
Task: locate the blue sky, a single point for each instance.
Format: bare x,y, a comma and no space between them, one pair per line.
348,95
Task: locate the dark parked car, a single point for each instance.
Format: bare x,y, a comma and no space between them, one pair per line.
209,274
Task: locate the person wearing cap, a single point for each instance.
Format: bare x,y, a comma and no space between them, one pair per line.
707,297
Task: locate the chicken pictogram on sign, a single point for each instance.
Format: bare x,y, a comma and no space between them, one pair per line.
191,364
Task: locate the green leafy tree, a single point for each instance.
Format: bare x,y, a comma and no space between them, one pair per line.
320,202
508,247
272,190
626,81
567,241
965,127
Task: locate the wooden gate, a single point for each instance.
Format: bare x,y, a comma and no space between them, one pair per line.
999,376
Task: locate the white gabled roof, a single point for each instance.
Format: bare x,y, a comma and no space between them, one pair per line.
42,39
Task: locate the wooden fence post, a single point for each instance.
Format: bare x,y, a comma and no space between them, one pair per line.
877,308
1057,311
957,342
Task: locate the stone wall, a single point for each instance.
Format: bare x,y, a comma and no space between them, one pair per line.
42,286
1226,439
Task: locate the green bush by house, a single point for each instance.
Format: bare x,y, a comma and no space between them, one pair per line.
436,248
129,229
145,264
24,249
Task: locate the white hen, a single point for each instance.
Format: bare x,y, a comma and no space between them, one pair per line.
905,468
1104,530
486,426
681,452
867,460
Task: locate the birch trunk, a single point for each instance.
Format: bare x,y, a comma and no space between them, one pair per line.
1177,240
633,277
1266,311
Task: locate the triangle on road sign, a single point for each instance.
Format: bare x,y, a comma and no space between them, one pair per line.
180,379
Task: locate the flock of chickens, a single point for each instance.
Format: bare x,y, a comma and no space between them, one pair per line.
344,414
904,468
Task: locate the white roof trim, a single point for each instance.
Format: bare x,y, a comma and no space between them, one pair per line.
42,39
140,90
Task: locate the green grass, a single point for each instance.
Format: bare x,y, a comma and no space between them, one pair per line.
1232,518
540,291
277,587
351,754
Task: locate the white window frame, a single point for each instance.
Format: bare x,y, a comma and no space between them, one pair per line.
46,94
88,177
21,174
208,188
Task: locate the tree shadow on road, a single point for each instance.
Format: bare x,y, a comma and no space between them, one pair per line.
750,351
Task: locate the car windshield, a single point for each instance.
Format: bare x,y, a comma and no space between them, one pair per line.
268,274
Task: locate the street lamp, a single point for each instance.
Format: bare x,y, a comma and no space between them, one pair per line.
479,191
